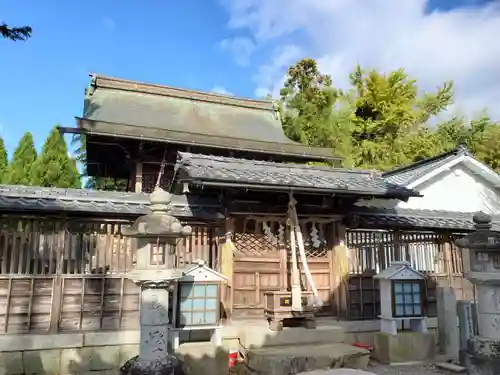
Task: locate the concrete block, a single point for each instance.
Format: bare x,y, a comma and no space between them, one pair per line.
101,358
116,338
72,362
127,352
258,337
42,362
12,343
294,359
203,359
404,347
11,363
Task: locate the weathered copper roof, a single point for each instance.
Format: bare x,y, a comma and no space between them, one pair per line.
132,109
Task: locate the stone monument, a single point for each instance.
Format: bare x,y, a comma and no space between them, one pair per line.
157,235
402,294
482,356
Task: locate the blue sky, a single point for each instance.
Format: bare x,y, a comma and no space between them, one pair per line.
235,45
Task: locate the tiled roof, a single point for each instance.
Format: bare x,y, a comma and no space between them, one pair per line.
132,109
225,171
33,198
412,218
410,173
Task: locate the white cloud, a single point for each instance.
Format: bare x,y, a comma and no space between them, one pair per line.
221,90
241,48
462,44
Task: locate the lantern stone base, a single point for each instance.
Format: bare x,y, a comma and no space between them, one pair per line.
482,356
405,347
169,365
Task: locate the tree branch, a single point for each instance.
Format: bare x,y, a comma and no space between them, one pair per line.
15,33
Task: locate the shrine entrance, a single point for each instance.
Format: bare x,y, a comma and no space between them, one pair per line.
261,257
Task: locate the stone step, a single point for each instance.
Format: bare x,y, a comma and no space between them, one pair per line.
294,359
261,337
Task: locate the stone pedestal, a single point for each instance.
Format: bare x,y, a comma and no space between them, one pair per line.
405,347
483,356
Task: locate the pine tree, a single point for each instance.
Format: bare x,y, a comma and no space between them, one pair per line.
21,165
3,162
54,167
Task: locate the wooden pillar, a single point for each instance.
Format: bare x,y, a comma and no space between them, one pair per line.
340,269
227,297
447,259
138,177
57,284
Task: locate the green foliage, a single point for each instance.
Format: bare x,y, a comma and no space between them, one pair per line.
54,167
15,33
381,121
19,171
4,161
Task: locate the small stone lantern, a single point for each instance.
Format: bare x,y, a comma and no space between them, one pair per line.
157,235
483,246
402,295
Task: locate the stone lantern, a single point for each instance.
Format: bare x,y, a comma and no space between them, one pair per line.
483,245
157,235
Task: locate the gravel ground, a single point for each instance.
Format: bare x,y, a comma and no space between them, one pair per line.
380,369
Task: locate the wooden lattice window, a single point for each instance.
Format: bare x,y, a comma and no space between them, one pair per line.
407,298
263,236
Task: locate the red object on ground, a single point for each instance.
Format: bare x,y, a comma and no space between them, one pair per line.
363,346
233,358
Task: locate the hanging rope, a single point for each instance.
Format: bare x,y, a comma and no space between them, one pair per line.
162,168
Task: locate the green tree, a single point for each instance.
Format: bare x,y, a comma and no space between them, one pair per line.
15,33
19,171
54,167
389,114
4,162
486,146
306,107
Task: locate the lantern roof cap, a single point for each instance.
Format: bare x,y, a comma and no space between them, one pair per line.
158,223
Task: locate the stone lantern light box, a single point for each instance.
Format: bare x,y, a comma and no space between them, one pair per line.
196,302
402,290
402,295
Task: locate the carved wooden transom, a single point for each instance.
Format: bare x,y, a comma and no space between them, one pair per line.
265,236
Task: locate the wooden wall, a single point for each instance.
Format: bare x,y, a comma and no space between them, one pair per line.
262,245
70,275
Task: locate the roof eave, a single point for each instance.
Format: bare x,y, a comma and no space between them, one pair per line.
297,189
167,136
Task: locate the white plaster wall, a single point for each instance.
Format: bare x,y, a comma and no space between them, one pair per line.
457,189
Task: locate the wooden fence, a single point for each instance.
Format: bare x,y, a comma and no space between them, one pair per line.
432,253
69,275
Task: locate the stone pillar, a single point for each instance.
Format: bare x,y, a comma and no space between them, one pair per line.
447,322
482,356
154,323
157,235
